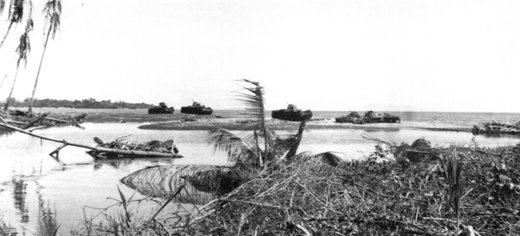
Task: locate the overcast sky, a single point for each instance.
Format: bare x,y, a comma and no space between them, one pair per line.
324,55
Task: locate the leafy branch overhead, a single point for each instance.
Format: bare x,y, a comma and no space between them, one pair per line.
22,50
16,10
52,12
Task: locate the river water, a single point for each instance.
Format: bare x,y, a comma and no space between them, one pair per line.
37,193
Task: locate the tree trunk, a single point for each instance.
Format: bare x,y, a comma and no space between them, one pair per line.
6,33
294,147
2,83
12,88
39,69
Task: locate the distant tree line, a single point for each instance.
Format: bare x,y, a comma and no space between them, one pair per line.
85,103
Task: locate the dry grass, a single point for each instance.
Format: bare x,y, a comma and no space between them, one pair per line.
452,191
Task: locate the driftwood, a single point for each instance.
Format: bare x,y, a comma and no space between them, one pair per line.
23,120
98,149
33,122
166,147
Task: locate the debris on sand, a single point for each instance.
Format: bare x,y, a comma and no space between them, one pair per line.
155,146
495,129
26,120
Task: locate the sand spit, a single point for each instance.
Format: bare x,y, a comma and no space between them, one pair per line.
208,123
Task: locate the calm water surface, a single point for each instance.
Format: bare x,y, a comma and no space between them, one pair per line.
37,193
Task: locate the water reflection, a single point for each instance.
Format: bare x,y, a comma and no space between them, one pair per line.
28,218
47,223
124,163
19,195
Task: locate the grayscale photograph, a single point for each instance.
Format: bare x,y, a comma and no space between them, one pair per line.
259,117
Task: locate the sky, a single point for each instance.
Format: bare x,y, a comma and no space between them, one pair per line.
399,55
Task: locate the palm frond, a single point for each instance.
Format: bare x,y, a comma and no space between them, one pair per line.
16,9
23,48
55,24
29,26
236,149
52,6
252,96
52,11
2,6
221,179
202,183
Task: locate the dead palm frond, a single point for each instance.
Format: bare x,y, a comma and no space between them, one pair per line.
16,9
236,148
202,182
52,13
252,95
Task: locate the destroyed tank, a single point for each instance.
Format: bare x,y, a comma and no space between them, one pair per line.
161,109
292,113
350,118
197,109
373,117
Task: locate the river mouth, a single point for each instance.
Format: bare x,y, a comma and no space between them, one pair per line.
36,191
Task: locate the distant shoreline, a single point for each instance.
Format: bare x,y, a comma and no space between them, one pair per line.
177,108
234,120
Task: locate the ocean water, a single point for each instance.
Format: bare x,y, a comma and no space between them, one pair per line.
439,119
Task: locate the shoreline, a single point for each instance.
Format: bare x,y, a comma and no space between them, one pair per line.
234,121
236,124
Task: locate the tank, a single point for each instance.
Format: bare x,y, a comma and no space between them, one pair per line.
161,109
197,109
291,113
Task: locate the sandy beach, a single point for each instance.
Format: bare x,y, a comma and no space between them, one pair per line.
207,123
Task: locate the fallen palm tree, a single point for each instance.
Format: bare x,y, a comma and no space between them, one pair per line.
24,120
99,149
